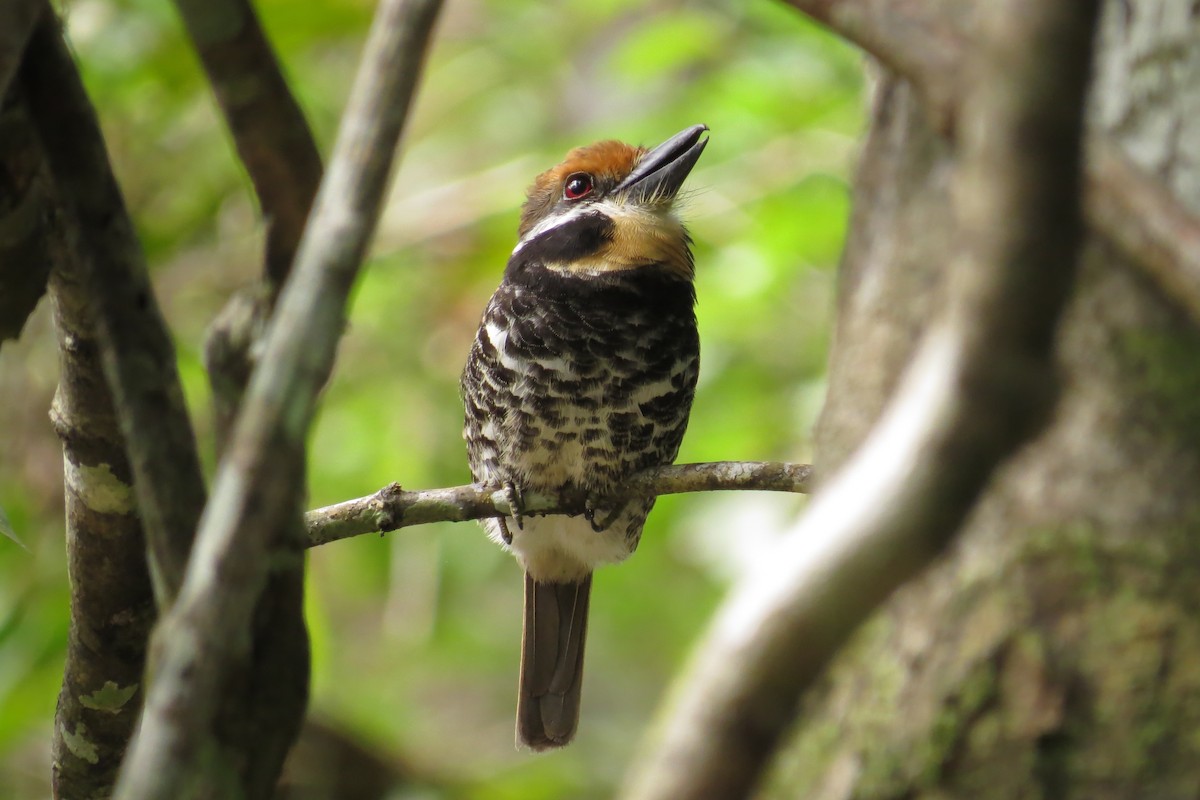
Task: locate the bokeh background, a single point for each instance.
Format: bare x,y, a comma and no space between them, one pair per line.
416,634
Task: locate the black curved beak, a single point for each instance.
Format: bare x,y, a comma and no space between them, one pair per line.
663,170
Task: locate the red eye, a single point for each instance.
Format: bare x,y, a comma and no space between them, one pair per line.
579,184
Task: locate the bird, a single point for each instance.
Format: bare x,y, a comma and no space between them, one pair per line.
582,372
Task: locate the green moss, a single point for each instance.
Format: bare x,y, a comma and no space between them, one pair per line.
1072,548
1165,378
1080,560
957,719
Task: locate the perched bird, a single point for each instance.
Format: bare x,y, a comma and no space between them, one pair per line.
583,372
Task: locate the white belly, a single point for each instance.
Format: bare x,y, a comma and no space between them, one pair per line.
559,549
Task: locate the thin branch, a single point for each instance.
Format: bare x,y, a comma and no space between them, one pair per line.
207,632
1122,202
268,127
392,507
977,389
1148,224
136,350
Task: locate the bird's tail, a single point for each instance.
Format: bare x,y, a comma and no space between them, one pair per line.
552,662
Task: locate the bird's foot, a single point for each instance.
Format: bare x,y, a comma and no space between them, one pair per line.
516,507
599,511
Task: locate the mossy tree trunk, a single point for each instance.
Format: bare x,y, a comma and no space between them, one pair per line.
1055,651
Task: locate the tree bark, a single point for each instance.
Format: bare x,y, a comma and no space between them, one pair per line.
1054,652
112,600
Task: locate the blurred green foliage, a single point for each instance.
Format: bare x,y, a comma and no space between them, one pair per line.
416,635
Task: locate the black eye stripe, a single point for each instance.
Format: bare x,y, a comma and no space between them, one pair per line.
576,238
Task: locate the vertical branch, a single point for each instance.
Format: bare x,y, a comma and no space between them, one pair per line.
137,353
127,463
112,603
208,632
975,391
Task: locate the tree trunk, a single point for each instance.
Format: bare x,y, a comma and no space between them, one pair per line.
1054,652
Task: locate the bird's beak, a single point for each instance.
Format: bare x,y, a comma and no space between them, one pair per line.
663,170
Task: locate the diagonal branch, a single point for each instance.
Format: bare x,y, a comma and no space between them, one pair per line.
976,390
392,507
1122,202
280,154
1147,223
207,632
268,127
137,353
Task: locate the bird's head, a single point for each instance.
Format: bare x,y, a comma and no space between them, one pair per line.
609,207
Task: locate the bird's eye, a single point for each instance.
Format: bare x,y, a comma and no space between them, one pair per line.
578,185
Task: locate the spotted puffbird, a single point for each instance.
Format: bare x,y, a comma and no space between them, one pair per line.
583,372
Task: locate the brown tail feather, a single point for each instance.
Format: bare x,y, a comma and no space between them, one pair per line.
552,662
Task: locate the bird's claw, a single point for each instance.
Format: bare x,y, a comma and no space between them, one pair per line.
600,521
516,507
589,513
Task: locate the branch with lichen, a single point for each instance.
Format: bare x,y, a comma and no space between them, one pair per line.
136,349
393,507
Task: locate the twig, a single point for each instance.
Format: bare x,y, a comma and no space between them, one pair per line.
208,631
268,127
137,353
392,507
976,390
1122,202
